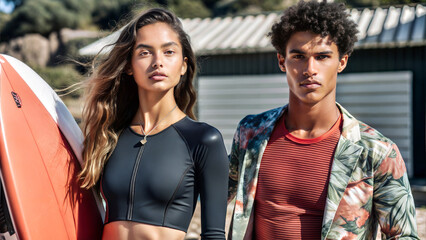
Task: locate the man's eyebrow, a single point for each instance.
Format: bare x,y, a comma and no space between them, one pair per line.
296,51
168,44
302,52
325,52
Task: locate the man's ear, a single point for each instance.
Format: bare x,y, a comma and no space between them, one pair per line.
281,60
343,62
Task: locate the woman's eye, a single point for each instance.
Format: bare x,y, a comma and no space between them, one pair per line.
169,52
144,53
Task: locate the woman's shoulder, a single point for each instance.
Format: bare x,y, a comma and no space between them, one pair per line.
200,132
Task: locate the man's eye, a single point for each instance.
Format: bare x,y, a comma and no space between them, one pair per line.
321,57
298,56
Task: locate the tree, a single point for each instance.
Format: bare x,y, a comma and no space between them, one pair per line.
190,9
16,3
377,3
4,18
226,7
47,16
106,12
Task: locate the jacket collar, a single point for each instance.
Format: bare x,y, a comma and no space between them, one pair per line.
350,129
345,160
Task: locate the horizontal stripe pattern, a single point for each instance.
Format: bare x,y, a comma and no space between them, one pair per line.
292,187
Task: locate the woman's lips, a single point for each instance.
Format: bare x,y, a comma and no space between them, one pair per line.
158,76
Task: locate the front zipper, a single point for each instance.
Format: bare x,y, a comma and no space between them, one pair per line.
132,183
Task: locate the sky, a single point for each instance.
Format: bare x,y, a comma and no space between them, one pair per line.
5,7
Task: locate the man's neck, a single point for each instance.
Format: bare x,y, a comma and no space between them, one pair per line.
310,121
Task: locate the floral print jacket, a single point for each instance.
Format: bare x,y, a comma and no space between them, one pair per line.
368,189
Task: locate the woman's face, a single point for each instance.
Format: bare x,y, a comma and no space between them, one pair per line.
157,59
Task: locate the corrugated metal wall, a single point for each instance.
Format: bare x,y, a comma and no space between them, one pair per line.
224,100
382,100
401,59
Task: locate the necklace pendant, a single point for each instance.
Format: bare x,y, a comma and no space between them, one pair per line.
143,141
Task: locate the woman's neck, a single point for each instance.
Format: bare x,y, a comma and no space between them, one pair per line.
157,112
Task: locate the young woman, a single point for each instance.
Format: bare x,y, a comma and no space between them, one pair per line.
150,159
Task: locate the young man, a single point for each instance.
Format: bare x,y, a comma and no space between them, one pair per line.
310,170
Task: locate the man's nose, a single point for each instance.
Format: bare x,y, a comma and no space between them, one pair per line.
311,67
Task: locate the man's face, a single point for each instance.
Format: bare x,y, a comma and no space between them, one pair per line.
311,63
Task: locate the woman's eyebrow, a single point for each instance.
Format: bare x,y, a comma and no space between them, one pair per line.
168,44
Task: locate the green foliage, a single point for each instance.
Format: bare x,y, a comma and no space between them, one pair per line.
60,78
4,18
17,3
377,3
71,47
190,9
210,4
107,12
252,6
275,5
45,17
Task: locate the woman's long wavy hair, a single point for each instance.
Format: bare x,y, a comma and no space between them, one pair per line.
112,95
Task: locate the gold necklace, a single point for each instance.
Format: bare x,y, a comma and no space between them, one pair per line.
144,140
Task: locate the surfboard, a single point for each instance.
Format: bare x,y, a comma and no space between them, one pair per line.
40,157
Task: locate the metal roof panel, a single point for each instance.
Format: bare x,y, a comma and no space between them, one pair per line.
407,17
419,25
228,42
190,24
249,31
376,25
230,28
381,27
206,33
355,15
200,27
262,30
364,22
391,24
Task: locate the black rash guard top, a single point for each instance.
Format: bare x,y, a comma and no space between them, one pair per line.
158,183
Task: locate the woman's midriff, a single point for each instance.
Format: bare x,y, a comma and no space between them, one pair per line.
127,230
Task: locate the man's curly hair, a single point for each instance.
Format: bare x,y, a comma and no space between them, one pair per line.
326,19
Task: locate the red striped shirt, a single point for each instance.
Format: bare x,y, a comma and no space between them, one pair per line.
292,186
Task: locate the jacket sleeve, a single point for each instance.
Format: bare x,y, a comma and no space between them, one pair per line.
234,165
393,200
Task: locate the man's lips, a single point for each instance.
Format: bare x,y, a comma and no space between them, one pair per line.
310,84
157,76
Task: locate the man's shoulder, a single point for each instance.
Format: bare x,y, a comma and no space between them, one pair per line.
261,118
357,130
378,145
371,134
